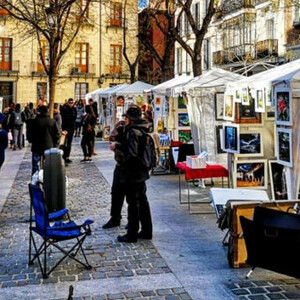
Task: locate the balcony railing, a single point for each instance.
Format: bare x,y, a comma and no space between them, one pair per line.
12,67
260,1
231,6
266,48
89,70
36,69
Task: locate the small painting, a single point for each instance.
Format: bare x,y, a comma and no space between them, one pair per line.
157,101
259,101
183,120
181,103
277,181
245,96
228,107
246,114
283,106
250,174
219,106
270,113
231,138
268,96
251,144
284,144
184,136
238,96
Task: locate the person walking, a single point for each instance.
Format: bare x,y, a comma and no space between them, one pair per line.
43,135
134,175
94,106
88,133
30,114
18,119
3,140
80,113
68,115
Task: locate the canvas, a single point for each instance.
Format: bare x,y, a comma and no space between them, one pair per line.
259,101
284,146
183,120
245,96
219,106
184,136
231,138
277,181
251,144
228,107
283,106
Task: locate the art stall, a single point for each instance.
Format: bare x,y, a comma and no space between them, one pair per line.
203,97
131,94
262,132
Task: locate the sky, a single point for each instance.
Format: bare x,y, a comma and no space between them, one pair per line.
143,3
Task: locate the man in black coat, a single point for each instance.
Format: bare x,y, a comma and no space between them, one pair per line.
133,174
44,134
68,115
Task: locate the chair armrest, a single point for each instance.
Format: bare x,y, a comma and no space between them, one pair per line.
58,214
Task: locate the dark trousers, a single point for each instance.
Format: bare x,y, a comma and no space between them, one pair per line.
87,145
118,193
67,148
2,157
138,210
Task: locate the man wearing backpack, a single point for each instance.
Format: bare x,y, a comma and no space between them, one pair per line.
18,119
133,173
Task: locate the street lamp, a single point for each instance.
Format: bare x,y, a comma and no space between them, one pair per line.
101,80
50,13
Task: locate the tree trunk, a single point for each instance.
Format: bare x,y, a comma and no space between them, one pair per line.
132,73
52,80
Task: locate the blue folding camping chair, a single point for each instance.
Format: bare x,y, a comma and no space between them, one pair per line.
52,235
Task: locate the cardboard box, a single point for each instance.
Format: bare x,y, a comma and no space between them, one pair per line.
196,162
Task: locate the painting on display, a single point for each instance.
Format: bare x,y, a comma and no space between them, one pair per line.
228,107
219,106
277,181
268,96
284,146
270,113
283,106
181,103
183,120
220,139
184,136
246,114
231,138
237,96
259,101
245,96
250,174
251,144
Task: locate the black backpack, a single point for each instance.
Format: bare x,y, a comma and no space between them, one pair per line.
148,153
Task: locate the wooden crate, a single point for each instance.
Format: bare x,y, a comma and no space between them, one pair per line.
237,253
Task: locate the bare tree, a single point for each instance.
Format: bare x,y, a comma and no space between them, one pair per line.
56,21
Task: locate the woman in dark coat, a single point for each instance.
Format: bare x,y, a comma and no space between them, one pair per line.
3,140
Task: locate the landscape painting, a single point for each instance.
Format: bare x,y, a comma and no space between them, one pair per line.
183,120
251,144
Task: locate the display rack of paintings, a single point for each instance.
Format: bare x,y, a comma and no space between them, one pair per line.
277,181
284,146
182,121
250,174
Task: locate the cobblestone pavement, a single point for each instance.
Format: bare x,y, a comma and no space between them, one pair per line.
88,196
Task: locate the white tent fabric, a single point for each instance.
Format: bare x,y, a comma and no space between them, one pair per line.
112,90
162,87
136,88
94,94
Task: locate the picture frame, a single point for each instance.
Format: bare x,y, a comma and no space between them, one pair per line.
237,96
277,181
268,96
228,111
245,96
219,139
251,144
219,106
269,113
284,146
246,114
283,106
231,138
259,101
183,119
250,174
181,102
185,135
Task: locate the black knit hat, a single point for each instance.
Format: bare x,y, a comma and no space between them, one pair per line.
133,113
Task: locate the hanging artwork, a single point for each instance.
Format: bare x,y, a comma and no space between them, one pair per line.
184,136
251,144
181,102
220,139
228,107
283,106
250,174
219,106
268,96
183,120
246,114
277,181
259,101
270,113
245,96
284,144
237,96
231,138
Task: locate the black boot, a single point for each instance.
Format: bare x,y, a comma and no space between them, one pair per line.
112,223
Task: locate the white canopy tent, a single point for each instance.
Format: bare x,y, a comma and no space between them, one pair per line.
134,89
284,77
112,90
94,94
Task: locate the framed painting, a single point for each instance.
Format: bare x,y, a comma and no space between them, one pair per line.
246,114
269,113
184,136
284,146
220,139
251,144
250,174
231,138
183,120
277,181
219,106
238,96
181,103
268,96
259,101
283,106
228,107
245,96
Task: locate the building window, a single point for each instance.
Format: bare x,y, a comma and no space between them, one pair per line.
41,91
188,64
81,89
81,56
81,7
179,60
270,29
115,65
45,54
5,53
116,14
206,54
3,12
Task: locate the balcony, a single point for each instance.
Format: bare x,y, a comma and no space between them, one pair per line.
10,68
36,69
116,72
231,6
257,2
83,71
267,48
